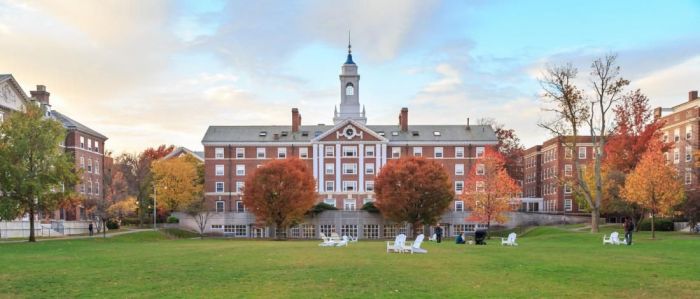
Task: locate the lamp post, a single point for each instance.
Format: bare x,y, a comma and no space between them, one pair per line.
155,200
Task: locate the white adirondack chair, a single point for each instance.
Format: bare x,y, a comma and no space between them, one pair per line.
353,239
433,238
617,241
415,247
614,239
343,242
326,240
335,237
397,245
510,241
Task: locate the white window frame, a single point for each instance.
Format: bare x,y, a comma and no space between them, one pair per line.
330,186
260,153
568,153
89,165
677,135
459,169
688,180
96,169
688,153
369,150
329,168
688,132
219,153
239,187
568,170
89,144
459,152
349,168
348,184
676,156
240,153
369,168
281,153
330,201
82,142
349,151
395,152
219,170
350,204
329,151
303,152
97,188
459,187
480,169
369,186
82,162
459,206
240,169
582,154
439,152
219,190
567,188
222,206
417,151
479,186
240,207
480,150
568,204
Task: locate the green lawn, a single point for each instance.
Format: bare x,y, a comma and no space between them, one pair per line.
550,262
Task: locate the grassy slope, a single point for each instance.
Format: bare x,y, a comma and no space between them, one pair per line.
550,262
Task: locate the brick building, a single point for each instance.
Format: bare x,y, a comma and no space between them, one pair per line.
550,172
681,127
83,144
345,157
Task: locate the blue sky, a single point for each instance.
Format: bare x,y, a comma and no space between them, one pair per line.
151,72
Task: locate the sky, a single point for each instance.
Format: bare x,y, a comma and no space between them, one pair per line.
155,72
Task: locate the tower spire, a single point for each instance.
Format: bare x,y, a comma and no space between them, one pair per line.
349,44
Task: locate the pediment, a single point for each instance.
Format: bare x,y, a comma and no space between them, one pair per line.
11,95
349,131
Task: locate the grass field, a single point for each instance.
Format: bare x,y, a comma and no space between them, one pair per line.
550,262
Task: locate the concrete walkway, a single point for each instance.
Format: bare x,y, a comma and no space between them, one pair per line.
95,236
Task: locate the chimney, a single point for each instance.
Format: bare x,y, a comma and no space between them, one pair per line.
468,127
692,95
657,113
403,119
40,95
296,120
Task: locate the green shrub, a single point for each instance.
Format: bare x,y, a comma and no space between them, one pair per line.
172,219
177,233
130,221
320,207
370,207
112,224
660,224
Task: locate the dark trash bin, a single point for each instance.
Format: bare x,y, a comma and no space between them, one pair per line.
480,237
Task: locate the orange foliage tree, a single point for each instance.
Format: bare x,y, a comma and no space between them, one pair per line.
489,190
280,192
177,182
653,184
414,190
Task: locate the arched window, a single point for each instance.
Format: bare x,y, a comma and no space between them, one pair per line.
349,89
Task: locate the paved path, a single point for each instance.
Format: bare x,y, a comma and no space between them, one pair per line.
108,235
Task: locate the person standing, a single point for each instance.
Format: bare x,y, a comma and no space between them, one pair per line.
438,233
90,228
629,227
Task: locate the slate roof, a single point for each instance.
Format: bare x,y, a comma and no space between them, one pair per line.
178,151
421,133
70,123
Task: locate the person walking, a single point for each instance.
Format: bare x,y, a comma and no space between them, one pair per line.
90,228
438,233
629,227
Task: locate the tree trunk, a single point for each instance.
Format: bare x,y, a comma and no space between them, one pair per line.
104,228
653,234
32,238
280,233
414,228
488,230
595,219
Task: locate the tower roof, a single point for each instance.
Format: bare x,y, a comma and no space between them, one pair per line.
349,59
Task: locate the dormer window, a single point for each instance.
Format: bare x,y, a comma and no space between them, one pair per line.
415,133
381,133
436,133
262,133
285,133
305,133
394,133
349,89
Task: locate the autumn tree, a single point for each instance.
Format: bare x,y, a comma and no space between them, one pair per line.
280,192
413,190
489,190
123,208
653,184
37,174
573,116
177,182
509,146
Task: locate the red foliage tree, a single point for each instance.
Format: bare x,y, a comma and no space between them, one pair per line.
489,190
280,192
635,128
414,190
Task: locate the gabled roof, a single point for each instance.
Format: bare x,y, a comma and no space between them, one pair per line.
9,78
183,150
392,133
345,123
71,124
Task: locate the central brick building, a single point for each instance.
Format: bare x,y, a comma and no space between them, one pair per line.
345,158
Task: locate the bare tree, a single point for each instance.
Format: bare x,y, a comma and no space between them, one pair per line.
570,106
200,214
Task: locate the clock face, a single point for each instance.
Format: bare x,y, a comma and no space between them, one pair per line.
349,132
